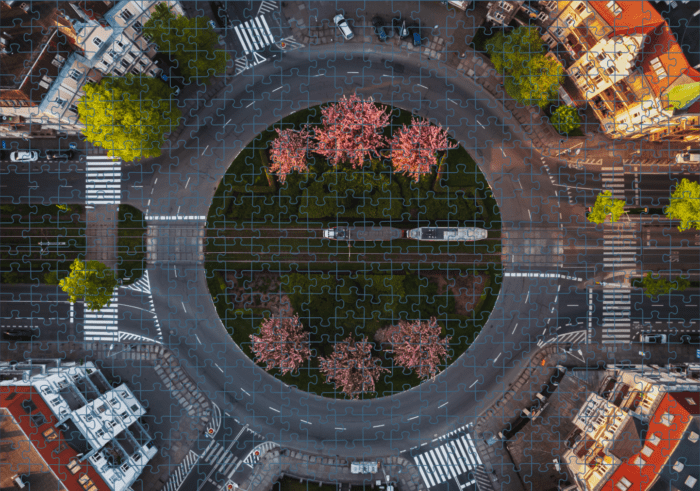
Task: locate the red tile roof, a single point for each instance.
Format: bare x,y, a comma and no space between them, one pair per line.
57,462
642,478
641,18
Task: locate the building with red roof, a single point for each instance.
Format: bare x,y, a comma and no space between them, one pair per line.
641,432
628,66
86,431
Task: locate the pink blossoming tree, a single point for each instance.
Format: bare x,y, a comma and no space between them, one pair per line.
288,152
351,131
414,148
352,367
282,344
417,345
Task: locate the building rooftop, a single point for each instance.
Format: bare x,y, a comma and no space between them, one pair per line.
48,441
18,456
685,26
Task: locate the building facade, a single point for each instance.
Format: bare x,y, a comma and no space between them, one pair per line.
639,432
628,66
97,425
45,63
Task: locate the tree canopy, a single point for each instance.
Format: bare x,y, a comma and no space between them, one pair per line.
282,344
129,116
417,345
566,119
530,77
92,282
190,41
352,367
685,205
606,205
414,148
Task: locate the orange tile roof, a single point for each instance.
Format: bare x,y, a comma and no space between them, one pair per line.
642,478
57,462
636,17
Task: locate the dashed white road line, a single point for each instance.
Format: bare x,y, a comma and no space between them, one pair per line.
275,410
443,404
183,307
205,149
303,421
278,88
496,359
516,326
414,417
422,86
475,382
217,366
250,104
244,391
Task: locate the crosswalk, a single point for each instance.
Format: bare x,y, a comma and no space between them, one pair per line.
614,181
103,180
143,285
249,61
254,35
616,315
225,463
268,6
457,457
620,248
177,477
102,325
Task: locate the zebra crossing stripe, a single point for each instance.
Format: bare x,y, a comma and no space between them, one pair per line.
103,178
102,325
178,476
143,285
448,461
268,6
254,35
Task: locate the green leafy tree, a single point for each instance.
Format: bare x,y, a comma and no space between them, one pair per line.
685,205
530,77
653,287
605,205
91,281
189,40
129,116
566,119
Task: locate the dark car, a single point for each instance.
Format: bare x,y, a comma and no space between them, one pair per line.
690,339
20,334
378,24
59,154
415,35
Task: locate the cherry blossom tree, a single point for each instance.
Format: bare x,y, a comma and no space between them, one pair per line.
351,131
414,148
417,345
288,152
352,367
282,344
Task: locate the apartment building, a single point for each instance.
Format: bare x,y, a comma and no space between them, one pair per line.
639,432
627,65
52,50
83,427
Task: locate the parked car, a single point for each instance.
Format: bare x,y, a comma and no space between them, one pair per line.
59,154
415,34
690,339
176,91
378,24
653,338
688,157
213,25
24,156
342,24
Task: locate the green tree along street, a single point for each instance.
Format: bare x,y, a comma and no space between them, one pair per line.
131,244
91,281
685,205
606,205
190,41
566,119
653,287
530,77
119,116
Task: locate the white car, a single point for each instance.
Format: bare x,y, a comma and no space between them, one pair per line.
653,338
31,156
687,157
342,24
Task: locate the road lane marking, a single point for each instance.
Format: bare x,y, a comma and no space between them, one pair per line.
275,410
305,422
423,86
278,88
516,326
205,149
250,104
197,339
496,359
414,417
453,102
183,306
377,426
188,182
244,391
227,122
472,385
217,366
443,404
477,122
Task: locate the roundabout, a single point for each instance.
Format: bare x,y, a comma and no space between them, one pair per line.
386,425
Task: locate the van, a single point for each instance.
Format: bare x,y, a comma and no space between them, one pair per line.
688,158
